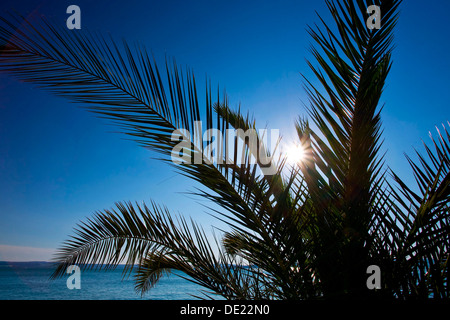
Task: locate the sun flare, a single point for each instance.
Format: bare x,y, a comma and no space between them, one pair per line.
295,153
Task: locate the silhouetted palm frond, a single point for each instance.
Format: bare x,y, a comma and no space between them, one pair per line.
127,88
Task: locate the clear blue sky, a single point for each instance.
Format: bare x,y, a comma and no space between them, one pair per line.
59,164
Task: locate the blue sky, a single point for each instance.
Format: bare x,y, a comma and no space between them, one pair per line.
59,164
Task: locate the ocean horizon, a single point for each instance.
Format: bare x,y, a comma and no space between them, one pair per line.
31,281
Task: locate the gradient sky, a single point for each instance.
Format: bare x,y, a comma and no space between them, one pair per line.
59,164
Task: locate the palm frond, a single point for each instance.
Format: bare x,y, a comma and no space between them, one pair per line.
152,243
425,243
127,88
344,171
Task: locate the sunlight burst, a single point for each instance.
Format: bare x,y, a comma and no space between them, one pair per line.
295,154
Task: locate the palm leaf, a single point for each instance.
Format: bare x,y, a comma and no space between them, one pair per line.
150,238
127,88
425,242
344,174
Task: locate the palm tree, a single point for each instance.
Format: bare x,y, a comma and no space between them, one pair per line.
297,232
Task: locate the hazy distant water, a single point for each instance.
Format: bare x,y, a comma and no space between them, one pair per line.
30,281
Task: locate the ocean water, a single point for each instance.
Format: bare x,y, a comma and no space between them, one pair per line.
30,281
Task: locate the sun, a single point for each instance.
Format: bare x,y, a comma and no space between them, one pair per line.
295,153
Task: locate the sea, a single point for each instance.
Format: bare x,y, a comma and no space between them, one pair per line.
31,281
